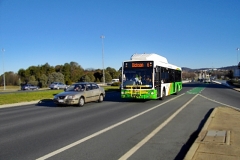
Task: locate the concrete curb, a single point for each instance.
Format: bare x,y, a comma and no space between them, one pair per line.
195,145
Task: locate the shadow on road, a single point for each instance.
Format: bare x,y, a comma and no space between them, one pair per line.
193,137
46,103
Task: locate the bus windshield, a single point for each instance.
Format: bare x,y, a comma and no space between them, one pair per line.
137,77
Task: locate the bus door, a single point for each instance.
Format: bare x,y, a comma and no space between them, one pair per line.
173,80
157,80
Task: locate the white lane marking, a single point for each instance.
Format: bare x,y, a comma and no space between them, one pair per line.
219,102
155,131
102,131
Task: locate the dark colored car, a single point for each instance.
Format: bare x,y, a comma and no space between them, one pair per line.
79,94
29,87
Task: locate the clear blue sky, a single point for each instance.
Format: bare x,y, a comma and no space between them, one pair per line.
189,33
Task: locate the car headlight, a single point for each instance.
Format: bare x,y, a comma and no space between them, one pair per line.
70,97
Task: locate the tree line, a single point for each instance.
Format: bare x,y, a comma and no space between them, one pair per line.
44,75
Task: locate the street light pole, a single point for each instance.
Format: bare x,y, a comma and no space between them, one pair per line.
102,37
3,68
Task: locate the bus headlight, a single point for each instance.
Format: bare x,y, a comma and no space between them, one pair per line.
151,93
122,92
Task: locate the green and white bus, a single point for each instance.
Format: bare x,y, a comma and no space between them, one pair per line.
149,76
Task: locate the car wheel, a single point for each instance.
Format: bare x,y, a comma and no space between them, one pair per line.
100,98
81,102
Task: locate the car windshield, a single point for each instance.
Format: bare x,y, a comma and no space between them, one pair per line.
76,87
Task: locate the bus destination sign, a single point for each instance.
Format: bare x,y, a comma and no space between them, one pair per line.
138,64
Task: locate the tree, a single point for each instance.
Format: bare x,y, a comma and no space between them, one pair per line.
32,80
34,71
55,77
98,76
113,73
76,71
58,68
108,77
46,69
24,75
43,81
10,79
66,73
91,76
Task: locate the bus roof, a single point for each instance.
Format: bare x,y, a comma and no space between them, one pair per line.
151,56
158,60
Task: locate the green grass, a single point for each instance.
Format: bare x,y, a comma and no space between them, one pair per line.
16,97
111,88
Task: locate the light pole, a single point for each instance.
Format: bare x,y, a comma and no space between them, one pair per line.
3,68
102,37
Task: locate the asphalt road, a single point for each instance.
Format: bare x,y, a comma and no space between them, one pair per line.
113,129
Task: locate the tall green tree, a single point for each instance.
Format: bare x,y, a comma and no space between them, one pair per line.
98,75
46,69
91,76
114,74
108,77
58,68
66,72
43,81
55,77
76,71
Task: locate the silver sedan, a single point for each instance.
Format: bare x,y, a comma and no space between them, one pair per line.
79,94
57,85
